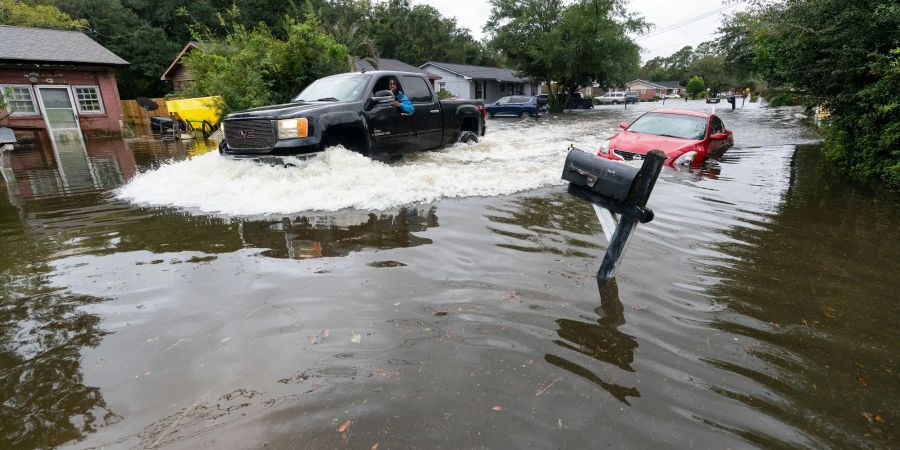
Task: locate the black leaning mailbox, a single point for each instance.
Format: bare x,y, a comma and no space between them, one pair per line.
600,175
619,188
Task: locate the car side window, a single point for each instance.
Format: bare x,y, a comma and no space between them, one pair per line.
519,100
716,125
417,90
503,101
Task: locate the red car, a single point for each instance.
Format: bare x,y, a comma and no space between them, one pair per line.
687,138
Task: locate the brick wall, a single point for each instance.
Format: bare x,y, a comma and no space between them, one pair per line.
102,123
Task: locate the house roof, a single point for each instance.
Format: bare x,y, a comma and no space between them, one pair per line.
669,84
657,84
177,61
368,64
479,72
41,45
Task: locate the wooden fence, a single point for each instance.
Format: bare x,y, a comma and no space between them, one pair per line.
135,114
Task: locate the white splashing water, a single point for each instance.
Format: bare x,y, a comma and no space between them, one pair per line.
521,157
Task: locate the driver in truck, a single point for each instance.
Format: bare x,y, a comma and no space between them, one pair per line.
400,101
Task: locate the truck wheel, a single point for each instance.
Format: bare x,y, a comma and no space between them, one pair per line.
468,137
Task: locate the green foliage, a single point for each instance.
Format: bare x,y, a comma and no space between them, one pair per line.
251,68
416,34
14,12
696,87
444,94
573,44
844,56
3,112
782,99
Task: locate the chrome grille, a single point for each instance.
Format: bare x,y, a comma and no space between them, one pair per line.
249,134
629,156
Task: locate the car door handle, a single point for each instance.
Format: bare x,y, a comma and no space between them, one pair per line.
434,111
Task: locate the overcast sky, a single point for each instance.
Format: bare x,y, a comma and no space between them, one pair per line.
473,14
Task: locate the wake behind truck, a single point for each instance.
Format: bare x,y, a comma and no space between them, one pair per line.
354,110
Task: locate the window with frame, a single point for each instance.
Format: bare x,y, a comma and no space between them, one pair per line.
19,100
417,90
88,99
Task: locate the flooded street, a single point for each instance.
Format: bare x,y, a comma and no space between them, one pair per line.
157,295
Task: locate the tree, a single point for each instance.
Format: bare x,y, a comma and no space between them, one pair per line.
573,45
696,87
844,56
14,12
250,68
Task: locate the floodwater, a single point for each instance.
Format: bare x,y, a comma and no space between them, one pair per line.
156,295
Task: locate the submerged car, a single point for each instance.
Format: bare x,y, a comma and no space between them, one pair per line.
516,105
688,138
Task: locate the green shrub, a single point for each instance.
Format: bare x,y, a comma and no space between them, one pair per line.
444,94
782,99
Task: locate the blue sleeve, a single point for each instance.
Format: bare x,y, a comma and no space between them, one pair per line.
406,106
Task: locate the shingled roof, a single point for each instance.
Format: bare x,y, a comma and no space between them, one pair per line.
40,45
479,72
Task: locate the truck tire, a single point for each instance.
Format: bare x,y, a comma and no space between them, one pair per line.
468,137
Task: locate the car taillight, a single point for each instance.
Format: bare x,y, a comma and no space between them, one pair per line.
482,109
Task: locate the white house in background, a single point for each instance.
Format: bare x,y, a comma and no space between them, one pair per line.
478,82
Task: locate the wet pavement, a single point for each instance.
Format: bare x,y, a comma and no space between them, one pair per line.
156,295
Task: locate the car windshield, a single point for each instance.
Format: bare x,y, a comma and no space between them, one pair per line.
672,125
341,88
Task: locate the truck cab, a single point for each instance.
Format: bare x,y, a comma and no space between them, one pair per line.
354,110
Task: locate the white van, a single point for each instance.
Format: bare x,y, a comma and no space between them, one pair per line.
611,98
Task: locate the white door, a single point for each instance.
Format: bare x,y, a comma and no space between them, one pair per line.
58,108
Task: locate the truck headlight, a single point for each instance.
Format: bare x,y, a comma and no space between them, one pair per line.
293,128
604,148
685,159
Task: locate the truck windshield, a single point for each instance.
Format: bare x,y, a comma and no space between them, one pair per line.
340,88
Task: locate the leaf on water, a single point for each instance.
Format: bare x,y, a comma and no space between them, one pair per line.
861,380
829,312
226,339
440,313
344,426
374,447
497,408
312,339
357,338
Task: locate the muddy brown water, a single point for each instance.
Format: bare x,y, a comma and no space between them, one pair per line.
758,309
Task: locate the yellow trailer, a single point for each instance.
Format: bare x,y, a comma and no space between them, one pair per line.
200,113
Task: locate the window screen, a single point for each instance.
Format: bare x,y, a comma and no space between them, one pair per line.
417,90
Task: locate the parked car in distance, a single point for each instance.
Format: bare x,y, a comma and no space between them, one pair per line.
713,99
616,98
579,101
354,110
688,138
672,96
515,105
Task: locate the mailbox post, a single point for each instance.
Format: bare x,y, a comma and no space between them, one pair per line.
614,188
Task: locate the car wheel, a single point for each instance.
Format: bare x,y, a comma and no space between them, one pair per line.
615,102
468,137
523,114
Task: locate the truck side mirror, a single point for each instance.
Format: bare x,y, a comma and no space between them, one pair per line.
383,96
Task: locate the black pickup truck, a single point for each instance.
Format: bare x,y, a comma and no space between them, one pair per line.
354,110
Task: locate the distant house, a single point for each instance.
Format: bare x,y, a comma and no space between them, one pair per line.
478,82
58,80
361,64
177,73
650,89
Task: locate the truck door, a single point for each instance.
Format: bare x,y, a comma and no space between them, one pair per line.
391,132
427,120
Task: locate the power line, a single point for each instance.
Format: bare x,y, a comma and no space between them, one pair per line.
689,21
